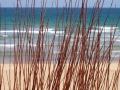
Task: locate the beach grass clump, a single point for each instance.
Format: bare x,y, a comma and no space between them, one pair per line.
80,61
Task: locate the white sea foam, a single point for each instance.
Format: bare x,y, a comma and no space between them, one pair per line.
24,31
7,45
114,36
116,51
11,31
5,35
115,55
57,32
101,27
32,45
117,40
55,52
107,30
12,45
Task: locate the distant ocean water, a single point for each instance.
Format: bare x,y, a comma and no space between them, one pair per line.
7,16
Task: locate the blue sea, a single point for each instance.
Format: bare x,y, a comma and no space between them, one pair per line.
13,22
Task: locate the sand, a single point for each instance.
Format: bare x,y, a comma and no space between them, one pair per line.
8,70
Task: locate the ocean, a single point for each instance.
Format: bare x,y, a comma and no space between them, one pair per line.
9,29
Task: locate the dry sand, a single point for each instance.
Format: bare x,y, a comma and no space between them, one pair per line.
7,72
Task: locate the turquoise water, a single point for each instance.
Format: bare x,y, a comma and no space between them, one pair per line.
8,26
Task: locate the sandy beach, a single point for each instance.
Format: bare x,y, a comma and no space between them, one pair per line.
9,70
